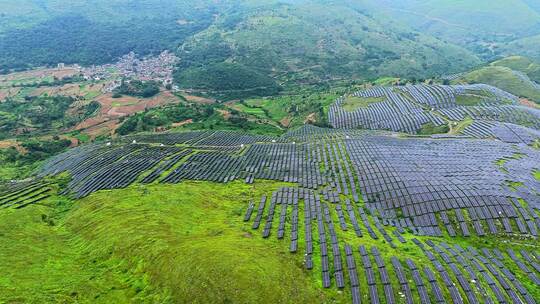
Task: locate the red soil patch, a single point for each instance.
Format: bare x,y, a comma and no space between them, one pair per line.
528,103
182,123
310,118
286,121
4,144
112,109
226,114
8,92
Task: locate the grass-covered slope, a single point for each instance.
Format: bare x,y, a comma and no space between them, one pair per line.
521,64
475,25
148,244
504,78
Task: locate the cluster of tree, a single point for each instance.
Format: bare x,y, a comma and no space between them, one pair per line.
34,150
91,108
430,129
41,112
137,88
233,79
77,39
52,83
203,117
149,120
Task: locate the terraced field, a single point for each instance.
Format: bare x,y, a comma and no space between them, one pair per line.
379,218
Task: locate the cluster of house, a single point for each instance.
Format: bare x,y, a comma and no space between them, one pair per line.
158,68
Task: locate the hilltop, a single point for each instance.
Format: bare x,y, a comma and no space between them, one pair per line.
517,75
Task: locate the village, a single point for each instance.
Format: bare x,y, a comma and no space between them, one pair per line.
158,68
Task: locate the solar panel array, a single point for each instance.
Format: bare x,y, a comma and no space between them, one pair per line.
348,188
421,185
409,108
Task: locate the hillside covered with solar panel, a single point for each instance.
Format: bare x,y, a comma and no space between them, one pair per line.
365,212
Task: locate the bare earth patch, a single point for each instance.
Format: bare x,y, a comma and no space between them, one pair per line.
8,92
112,109
286,121
182,123
226,114
528,103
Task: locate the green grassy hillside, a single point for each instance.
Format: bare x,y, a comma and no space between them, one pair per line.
503,78
495,16
172,244
522,64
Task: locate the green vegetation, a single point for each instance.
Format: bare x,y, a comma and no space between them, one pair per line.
484,27
522,64
76,38
469,100
474,98
159,117
196,117
340,40
536,174
514,185
505,79
91,108
295,109
42,112
230,79
430,129
173,244
462,125
527,47
352,103
137,88
19,163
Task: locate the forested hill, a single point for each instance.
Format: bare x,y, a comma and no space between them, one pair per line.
310,42
258,47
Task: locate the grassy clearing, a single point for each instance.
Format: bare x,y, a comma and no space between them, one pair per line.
514,185
536,174
353,103
251,110
148,244
469,100
116,104
460,126
505,79
430,129
277,109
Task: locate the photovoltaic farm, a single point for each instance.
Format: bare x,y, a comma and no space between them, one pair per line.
377,214
380,217
496,113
